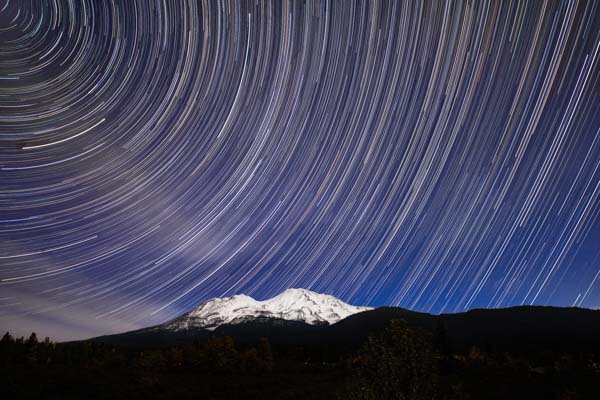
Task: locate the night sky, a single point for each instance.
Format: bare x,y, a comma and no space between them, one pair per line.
429,155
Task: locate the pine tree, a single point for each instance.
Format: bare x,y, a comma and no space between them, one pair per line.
397,364
7,348
32,339
32,348
265,353
441,340
7,338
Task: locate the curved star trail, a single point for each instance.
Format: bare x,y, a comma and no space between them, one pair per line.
436,156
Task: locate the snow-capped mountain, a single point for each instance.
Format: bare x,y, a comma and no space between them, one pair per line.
292,304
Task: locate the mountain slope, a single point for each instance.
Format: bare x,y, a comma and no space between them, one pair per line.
521,328
299,317
291,305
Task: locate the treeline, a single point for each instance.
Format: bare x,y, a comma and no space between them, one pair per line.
398,363
218,354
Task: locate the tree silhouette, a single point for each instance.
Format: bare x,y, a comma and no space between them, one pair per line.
7,338
265,354
32,339
441,340
222,354
397,364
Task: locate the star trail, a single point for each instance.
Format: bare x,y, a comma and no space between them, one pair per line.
438,156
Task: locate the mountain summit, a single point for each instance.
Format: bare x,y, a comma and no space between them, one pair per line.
292,304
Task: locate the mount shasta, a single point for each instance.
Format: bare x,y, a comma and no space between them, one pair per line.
291,305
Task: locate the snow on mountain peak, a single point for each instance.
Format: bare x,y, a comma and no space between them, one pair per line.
292,304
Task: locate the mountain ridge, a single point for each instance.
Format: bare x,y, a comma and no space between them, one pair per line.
520,327
293,304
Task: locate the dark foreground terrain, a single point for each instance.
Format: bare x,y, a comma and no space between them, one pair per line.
387,353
